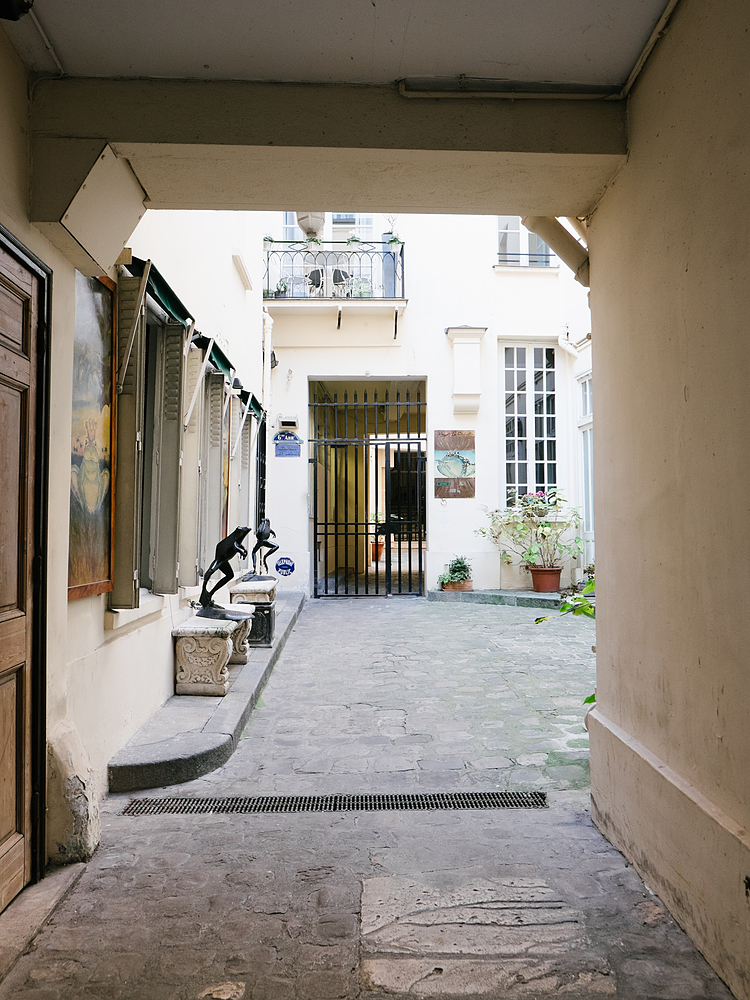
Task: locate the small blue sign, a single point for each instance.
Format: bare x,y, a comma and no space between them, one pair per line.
284,566
287,444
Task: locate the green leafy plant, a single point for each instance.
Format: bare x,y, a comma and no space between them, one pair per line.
353,239
579,604
535,528
377,516
459,569
282,286
395,240
314,240
362,288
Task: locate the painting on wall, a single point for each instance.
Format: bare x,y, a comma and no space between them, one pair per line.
90,551
454,464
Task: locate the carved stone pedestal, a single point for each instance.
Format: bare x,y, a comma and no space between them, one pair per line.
261,591
203,647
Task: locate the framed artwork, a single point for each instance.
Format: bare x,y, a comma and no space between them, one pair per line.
91,439
454,464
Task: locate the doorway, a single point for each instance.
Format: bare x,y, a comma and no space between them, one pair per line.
23,366
368,458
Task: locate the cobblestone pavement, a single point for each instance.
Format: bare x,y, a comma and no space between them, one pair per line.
380,696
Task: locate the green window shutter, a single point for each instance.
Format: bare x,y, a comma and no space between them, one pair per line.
191,467
128,449
166,476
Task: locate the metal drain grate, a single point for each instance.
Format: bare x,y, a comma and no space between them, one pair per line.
339,803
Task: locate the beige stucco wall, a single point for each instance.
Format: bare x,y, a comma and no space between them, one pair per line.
670,297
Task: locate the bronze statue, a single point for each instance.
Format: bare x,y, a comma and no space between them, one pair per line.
262,535
225,551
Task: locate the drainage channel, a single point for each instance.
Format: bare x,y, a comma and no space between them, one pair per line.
337,803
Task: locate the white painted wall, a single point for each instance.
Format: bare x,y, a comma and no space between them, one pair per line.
451,280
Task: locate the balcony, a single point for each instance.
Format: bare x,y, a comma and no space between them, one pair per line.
331,272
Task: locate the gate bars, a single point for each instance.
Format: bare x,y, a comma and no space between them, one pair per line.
369,467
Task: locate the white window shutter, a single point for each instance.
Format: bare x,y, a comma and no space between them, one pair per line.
165,481
191,459
128,448
212,470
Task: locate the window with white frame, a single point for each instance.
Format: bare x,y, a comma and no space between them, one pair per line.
291,231
530,421
517,247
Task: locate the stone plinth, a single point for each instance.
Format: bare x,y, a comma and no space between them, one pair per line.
203,647
256,590
261,591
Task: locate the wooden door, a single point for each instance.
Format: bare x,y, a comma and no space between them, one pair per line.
18,328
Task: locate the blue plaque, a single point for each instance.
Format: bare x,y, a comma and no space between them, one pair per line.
284,566
287,444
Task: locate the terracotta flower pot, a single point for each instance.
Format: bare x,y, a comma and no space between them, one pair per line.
377,550
460,585
546,578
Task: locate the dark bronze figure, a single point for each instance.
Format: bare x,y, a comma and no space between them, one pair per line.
225,551
262,535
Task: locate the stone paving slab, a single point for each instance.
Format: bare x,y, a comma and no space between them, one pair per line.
508,598
496,904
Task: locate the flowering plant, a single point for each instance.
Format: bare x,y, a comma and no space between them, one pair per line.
535,526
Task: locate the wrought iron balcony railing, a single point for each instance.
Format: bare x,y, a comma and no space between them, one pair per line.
511,259
348,270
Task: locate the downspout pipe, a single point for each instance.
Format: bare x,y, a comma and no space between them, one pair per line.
566,246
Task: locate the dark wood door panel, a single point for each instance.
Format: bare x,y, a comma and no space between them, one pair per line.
12,530
18,317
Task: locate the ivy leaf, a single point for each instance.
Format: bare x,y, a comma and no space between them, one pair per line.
590,700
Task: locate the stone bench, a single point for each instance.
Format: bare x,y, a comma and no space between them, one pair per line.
204,648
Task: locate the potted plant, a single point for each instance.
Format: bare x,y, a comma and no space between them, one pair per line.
268,242
377,545
362,288
536,527
268,293
282,287
457,576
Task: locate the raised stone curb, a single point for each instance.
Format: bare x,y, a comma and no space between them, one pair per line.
190,736
511,598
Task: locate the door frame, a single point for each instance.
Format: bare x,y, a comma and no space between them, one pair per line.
13,246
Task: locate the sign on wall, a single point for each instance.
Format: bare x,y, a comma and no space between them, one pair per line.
287,444
455,467
284,566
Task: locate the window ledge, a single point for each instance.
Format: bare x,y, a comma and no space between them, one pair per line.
552,270
150,604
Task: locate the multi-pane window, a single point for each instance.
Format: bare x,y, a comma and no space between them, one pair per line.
530,392
292,232
517,247
587,399
587,441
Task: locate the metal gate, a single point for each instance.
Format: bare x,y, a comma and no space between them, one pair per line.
368,492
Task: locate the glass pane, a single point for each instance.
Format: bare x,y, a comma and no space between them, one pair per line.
510,450
550,357
508,357
550,404
538,404
510,473
521,357
540,476
539,451
551,427
539,426
510,428
522,451
521,378
522,402
522,472
551,474
551,451
550,381
538,357
510,404
509,381
538,381
522,427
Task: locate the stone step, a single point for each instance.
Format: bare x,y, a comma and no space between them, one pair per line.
513,598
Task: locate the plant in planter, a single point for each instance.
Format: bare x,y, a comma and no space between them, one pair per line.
536,528
282,287
457,576
377,545
362,288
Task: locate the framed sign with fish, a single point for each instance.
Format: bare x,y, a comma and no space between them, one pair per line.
455,467
91,440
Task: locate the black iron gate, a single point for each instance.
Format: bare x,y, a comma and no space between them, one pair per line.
368,494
